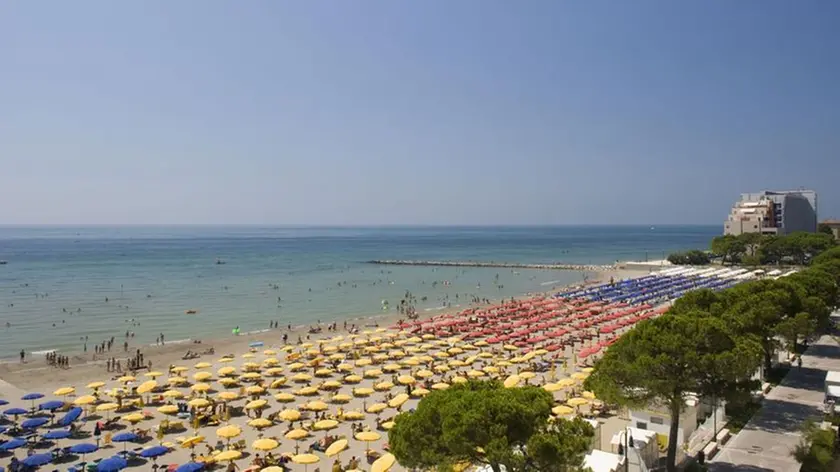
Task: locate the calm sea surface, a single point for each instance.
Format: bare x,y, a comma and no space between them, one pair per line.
151,275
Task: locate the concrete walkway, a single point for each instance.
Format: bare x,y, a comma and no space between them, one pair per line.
766,443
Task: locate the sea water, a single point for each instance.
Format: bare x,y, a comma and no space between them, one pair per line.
61,284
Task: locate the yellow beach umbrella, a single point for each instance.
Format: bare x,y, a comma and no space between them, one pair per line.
203,365
64,391
271,361
270,352
256,404
458,379
249,355
176,380
227,370
225,360
341,398
95,385
260,423
383,386
301,377
274,372
376,408
362,392
372,373
265,444
191,441
440,386
296,434
198,402
168,409
363,362
228,455
295,366
336,448
305,459
512,381
552,387
126,379
527,375
419,392
323,372
344,368
325,425
229,382
254,390
178,369
387,425
134,418
229,431
284,397
354,415
424,374
406,380
173,394
474,374
384,463
580,375
367,437
562,410
330,385
398,400
566,382
84,400
577,401
587,370
201,387
147,387
588,395
202,376
228,396
289,415
107,407
153,374
316,406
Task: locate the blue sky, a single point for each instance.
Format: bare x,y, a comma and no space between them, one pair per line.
424,112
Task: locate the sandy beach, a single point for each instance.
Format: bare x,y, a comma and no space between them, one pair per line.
378,356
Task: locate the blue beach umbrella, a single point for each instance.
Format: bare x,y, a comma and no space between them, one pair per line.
12,444
3,402
3,429
37,460
153,452
72,415
33,423
57,434
51,405
124,438
32,396
112,464
83,448
15,411
190,467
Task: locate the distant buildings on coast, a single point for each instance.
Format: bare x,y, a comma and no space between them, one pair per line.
773,212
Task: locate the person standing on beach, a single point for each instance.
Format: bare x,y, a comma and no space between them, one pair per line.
22,356
162,342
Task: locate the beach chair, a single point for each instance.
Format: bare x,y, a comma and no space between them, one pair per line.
240,445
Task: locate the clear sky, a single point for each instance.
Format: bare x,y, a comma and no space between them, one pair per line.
413,112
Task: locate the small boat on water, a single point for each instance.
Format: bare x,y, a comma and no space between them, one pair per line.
190,312
219,262
4,262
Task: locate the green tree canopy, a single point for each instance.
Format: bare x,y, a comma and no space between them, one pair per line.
483,422
666,358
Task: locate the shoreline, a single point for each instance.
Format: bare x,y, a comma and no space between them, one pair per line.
501,265
36,374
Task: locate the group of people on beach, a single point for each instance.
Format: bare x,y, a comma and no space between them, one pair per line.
56,360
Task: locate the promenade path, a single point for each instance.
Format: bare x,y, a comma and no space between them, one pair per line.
766,442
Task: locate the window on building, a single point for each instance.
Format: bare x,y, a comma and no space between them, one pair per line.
641,425
657,420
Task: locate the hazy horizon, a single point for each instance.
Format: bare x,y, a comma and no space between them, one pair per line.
474,113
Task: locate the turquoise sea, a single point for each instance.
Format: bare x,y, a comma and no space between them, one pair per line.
63,275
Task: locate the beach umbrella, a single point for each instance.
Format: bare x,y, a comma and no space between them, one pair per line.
387,425
305,459
325,425
229,455
588,395
32,396
126,379
153,374
37,460
296,434
192,442
383,386
134,417
33,423
284,397
176,380
384,463
178,369
3,402
372,373
15,411
191,467
577,401
199,402
95,385
153,452
112,464
260,423
147,387
168,409
173,394
336,448
376,408
398,400
228,432
289,415
367,437
124,438
566,382
228,396
265,444
85,400
353,415
419,392
440,386
12,444
64,391
203,365
107,407
254,390
72,415
580,375
256,404
562,410
201,387
341,398
83,448
51,405
316,406
57,434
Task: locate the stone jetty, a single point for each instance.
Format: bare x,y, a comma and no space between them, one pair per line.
504,265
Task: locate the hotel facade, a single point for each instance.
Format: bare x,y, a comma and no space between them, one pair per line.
773,212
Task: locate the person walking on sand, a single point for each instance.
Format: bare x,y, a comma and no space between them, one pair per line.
22,356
